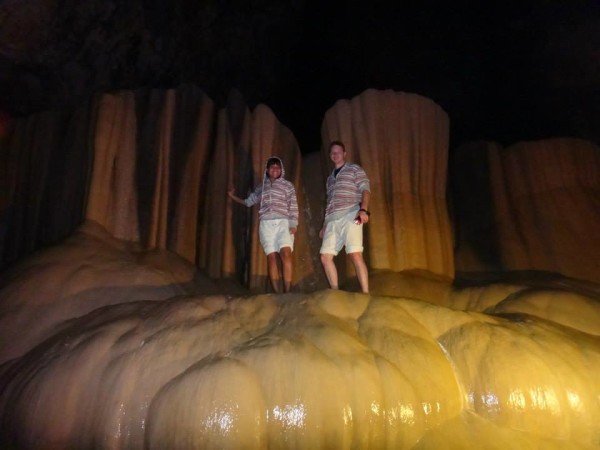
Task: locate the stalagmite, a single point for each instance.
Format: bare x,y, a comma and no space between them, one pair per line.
401,140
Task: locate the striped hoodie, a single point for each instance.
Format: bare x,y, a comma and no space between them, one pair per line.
344,192
277,199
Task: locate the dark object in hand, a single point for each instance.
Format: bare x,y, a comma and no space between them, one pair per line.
357,219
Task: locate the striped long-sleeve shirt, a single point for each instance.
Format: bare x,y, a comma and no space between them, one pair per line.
344,191
277,201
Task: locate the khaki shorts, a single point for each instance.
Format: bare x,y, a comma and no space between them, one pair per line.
274,234
343,232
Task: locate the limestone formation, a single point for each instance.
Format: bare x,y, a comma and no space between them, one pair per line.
131,352
155,169
401,140
536,207
152,166
547,216
140,327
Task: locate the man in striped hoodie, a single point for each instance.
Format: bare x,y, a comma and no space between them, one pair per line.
278,216
348,194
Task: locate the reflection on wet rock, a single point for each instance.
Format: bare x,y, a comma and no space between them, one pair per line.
191,368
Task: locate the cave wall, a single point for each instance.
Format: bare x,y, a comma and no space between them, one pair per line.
547,209
154,167
530,206
46,161
401,140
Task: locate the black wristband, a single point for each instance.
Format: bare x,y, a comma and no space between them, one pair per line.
365,211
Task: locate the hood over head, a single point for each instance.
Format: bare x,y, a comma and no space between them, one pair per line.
274,160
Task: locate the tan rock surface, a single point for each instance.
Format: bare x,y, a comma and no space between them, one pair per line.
401,140
548,194
537,209
91,269
121,343
149,365
167,187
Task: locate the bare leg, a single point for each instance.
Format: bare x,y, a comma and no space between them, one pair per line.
274,272
361,270
330,270
286,262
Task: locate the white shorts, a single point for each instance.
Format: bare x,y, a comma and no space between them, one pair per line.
343,232
275,234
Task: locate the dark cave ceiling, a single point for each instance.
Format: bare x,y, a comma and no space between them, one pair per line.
502,71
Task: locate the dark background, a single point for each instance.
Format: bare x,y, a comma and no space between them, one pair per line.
503,71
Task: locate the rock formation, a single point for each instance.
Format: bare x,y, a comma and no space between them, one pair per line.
112,347
401,140
128,314
153,167
531,206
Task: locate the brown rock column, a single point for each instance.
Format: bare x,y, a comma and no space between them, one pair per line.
48,158
222,244
245,139
401,140
112,198
547,197
150,154
192,140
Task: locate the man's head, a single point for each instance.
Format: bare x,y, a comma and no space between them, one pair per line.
274,168
337,153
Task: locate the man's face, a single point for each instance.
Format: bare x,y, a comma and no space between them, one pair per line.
274,171
337,155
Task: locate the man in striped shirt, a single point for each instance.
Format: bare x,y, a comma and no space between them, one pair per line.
348,194
278,216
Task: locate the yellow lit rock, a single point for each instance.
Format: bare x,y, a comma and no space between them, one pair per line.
328,369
